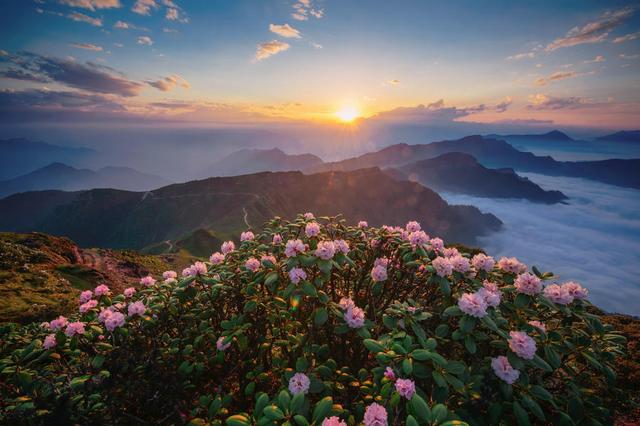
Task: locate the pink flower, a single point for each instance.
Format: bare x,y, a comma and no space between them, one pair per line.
504,370
512,265
220,345
346,303
88,306
325,250
473,304
268,258
252,264
101,290
115,320
418,238
148,281
128,292
491,293
294,248
199,268
443,266
136,308
412,226
557,294
246,236
576,290
436,244
483,262
375,415
381,261
333,421
277,239
450,252
406,388
297,274
104,314
528,284
74,328
363,224
186,272
227,247
460,264
354,317
341,246
379,273
309,216
50,341
389,374
85,296
58,323
522,345
168,275
216,258
312,229
299,383
375,243
538,325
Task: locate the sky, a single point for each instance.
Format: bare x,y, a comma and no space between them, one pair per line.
560,63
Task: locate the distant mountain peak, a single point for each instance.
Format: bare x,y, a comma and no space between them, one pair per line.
557,135
622,136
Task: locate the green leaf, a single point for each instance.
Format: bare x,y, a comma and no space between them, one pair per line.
300,420
271,278
411,421
373,346
407,366
273,412
470,344
420,354
320,316
521,415
552,356
541,364
261,402
301,364
440,413
322,409
284,399
238,420
420,408
97,361
297,403
541,393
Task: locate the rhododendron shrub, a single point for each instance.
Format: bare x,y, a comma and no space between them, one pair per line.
316,322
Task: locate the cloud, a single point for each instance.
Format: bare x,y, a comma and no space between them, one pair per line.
625,56
302,9
18,74
523,55
123,25
145,40
118,45
504,105
169,30
168,83
558,75
562,239
81,17
88,76
34,100
92,4
394,82
436,113
592,32
284,30
628,37
88,46
143,7
316,45
270,48
541,101
597,59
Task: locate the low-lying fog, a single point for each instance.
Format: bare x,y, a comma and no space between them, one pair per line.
594,239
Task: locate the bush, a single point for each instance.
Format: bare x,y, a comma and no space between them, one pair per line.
315,322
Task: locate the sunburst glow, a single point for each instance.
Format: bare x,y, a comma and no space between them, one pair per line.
347,113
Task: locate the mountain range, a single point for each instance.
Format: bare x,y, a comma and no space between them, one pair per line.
125,219
247,161
623,136
462,173
63,177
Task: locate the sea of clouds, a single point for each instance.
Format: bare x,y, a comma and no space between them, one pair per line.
593,239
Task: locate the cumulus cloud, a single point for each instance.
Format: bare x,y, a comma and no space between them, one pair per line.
92,4
270,48
81,17
284,30
541,101
597,59
592,32
559,75
123,25
145,40
627,37
316,45
143,7
168,83
562,239
88,46
86,76
302,9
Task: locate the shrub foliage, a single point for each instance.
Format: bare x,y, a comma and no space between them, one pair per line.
347,325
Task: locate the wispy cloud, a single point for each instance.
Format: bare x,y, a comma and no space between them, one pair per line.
302,9
145,40
597,59
88,46
284,30
81,17
523,55
629,57
627,37
143,7
123,25
168,83
270,48
169,30
592,32
541,101
556,76
92,4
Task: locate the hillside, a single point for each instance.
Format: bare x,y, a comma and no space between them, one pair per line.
549,137
622,136
19,156
498,154
247,161
461,173
226,205
67,178
41,276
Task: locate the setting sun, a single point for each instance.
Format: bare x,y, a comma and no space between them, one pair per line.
348,113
